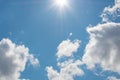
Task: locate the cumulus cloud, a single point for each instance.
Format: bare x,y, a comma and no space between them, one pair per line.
112,78
104,47
68,68
13,59
66,48
111,13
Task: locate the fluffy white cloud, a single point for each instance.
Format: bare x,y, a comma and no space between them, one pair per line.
68,68
112,78
111,13
66,48
13,59
104,47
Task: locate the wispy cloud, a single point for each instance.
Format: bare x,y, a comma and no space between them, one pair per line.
111,13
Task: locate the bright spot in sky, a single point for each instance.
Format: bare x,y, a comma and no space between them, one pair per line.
61,3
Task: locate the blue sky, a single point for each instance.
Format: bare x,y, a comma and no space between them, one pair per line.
79,42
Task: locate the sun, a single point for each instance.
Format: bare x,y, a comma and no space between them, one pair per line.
61,4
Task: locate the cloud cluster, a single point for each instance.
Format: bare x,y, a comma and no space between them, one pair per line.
103,49
104,45
13,59
69,68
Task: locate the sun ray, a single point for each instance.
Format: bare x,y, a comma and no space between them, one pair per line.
61,4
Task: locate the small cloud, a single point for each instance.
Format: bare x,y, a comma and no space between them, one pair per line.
33,61
70,34
67,47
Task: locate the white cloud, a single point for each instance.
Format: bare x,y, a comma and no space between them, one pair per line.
111,13
104,47
66,48
33,61
112,78
13,59
68,68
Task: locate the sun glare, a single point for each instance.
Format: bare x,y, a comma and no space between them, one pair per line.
61,3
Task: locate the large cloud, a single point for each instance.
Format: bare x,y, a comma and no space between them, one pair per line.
111,13
13,59
104,47
69,68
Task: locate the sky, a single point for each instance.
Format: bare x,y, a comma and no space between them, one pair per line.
59,39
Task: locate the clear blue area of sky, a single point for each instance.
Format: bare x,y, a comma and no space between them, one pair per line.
41,29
